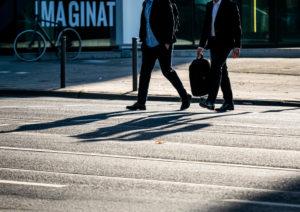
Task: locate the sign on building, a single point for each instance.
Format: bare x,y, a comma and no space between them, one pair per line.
76,13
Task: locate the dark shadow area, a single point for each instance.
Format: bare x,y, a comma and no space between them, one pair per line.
285,200
282,110
45,75
8,93
151,127
148,127
80,120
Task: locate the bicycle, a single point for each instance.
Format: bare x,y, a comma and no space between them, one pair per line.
30,45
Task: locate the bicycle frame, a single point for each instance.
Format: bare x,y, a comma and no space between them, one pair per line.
42,40
38,27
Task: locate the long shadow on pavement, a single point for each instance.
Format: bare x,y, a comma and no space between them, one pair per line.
151,127
80,120
147,127
286,199
282,110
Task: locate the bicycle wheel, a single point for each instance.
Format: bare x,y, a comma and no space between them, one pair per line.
30,45
73,43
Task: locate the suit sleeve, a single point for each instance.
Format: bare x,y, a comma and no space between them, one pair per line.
168,25
142,24
205,33
237,28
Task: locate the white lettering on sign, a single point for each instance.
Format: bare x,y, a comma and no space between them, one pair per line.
47,13
60,17
73,14
90,14
79,14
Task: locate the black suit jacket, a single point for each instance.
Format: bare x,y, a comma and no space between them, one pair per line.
227,25
161,22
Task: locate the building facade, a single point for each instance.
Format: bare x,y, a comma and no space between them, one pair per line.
272,23
110,24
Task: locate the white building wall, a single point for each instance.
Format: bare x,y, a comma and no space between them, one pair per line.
128,14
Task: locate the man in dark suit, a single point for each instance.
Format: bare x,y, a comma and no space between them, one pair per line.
221,34
157,36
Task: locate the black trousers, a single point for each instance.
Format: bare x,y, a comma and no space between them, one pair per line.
149,57
219,74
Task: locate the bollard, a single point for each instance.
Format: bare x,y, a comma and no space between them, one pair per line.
63,62
134,64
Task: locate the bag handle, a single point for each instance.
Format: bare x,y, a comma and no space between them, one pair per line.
201,57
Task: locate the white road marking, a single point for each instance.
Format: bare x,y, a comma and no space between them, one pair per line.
263,203
145,181
143,158
149,181
9,182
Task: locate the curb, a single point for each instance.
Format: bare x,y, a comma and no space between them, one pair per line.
111,96
293,52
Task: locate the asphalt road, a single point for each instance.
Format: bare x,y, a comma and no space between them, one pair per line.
59,154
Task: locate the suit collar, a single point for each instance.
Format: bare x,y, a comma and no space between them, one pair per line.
218,3
220,10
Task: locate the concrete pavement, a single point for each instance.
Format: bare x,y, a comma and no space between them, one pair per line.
254,80
69,154
66,154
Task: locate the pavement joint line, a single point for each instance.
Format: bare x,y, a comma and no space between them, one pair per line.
147,142
250,133
209,131
10,182
117,96
263,203
203,130
170,142
229,146
146,158
155,181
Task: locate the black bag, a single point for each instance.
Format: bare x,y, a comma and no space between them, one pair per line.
199,74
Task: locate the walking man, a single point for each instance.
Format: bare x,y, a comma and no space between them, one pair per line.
221,34
157,36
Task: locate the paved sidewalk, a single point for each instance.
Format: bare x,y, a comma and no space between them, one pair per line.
253,79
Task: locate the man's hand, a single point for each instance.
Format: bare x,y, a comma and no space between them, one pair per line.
167,46
236,52
200,51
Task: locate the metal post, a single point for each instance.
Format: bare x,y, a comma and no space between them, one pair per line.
134,64
63,62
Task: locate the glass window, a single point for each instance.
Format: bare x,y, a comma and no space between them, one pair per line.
290,21
255,21
7,23
185,35
192,14
200,9
94,20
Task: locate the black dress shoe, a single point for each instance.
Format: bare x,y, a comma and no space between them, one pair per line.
186,102
206,104
225,107
136,106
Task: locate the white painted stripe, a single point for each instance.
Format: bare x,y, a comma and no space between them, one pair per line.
31,184
145,159
146,181
28,107
276,204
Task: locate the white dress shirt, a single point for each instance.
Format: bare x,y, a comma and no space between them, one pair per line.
151,41
214,15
